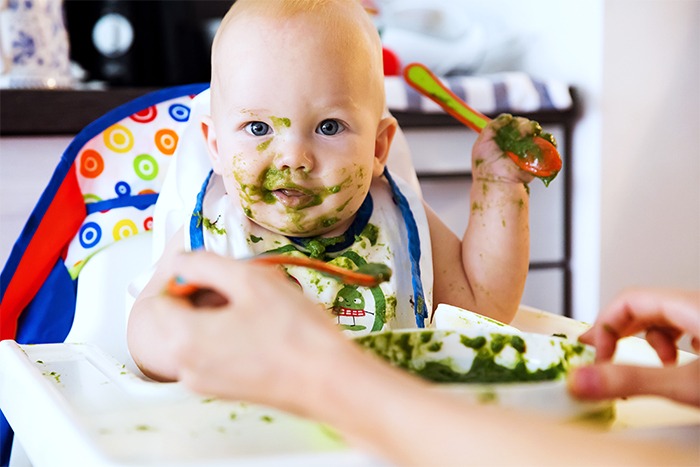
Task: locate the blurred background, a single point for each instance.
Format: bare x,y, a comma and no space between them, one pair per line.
634,64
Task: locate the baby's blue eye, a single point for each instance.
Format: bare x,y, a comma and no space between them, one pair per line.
258,128
330,127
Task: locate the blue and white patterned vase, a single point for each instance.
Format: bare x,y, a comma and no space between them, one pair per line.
34,45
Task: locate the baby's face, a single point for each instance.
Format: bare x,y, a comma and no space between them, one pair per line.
295,131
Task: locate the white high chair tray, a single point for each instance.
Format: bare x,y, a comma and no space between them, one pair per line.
70,404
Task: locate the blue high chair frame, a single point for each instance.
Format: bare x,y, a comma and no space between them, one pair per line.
37,290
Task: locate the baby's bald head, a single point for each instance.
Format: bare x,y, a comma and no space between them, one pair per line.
340,32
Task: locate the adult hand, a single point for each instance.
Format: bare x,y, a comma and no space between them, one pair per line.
666,316
257,346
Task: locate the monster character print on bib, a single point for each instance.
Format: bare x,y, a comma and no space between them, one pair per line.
354,308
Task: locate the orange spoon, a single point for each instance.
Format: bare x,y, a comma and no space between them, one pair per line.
535,154
367,275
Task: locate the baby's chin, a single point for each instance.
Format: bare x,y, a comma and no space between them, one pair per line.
313,228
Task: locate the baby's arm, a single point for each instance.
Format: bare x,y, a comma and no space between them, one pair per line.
149,336
486,271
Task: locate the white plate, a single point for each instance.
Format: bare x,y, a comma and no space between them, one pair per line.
486,361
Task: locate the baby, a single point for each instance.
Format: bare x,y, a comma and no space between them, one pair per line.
298,139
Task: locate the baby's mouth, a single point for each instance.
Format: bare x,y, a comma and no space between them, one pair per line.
293,198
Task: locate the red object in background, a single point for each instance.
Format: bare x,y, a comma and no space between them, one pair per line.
392,66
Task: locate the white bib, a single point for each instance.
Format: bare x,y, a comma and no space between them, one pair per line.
384,238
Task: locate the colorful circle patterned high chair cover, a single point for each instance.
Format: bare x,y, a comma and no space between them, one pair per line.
103,190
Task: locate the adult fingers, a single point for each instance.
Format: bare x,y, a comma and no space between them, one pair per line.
639,309
664,342
603,338
609,381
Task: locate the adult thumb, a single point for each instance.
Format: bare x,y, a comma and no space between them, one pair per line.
609,381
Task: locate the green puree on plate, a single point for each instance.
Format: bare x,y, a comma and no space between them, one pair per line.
452,357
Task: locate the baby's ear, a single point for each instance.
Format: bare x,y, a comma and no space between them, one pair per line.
385,135
209,133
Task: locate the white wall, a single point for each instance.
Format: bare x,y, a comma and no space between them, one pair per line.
561,40
636,65
650,219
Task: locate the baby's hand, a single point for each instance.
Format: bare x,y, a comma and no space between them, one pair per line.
490,162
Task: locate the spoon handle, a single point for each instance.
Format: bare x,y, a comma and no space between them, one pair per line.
178,287
424,81
346,276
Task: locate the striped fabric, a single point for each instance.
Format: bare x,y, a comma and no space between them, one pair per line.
512,92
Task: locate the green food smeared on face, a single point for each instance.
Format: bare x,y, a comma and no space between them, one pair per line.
275,179
342,207
262,146
279,122
255,239
328,221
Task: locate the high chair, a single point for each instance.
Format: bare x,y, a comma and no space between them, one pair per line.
122,188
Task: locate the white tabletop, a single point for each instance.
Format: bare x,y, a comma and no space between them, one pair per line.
71,404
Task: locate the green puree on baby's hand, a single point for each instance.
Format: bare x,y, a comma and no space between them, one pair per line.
509,139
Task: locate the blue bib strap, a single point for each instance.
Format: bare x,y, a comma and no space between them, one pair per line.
197,219
419,307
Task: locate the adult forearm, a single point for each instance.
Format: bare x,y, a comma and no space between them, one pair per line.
411,423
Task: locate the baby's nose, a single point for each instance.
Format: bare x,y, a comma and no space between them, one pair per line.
295,156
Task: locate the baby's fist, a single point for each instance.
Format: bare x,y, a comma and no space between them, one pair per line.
490,162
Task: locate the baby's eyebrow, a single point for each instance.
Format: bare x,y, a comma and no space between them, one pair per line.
251,112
